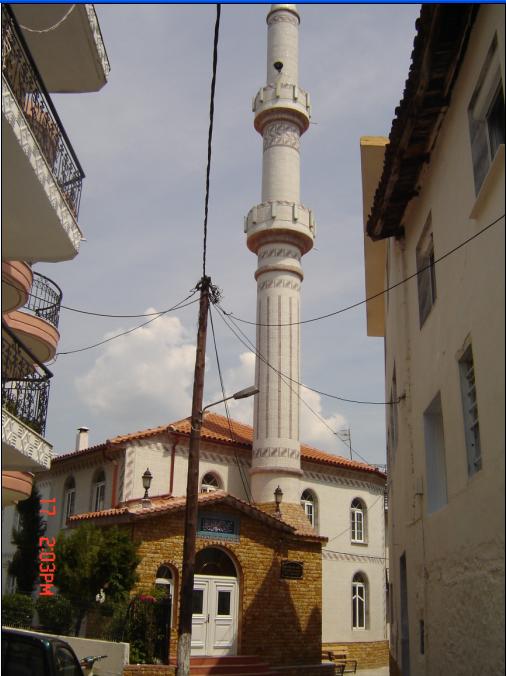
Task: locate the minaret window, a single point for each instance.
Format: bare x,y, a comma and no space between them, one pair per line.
210,483
308,503
69,499
98,492
357,521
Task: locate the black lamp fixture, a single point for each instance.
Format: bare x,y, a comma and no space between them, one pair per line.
146,483
278,497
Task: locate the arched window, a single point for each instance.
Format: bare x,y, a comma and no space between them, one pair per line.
210,483
165,581
358,514
69,499
214,561
98,491
309,505
359,601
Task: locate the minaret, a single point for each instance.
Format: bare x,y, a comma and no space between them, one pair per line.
280,231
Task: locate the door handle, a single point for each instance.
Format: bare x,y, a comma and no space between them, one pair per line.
208,618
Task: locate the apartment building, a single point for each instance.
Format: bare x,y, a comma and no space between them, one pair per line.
45,49
433,203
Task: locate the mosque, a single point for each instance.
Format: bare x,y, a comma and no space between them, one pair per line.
290,540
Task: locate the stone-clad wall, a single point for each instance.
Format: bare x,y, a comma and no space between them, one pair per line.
368,654
278,619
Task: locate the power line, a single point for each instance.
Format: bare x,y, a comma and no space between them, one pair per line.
210,135
286,381
232,435
324,394
179,306
380,293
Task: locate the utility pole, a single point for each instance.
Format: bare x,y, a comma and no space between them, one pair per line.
192,489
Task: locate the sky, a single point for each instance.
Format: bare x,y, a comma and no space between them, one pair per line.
142,142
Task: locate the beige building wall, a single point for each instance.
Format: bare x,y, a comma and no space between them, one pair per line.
454,554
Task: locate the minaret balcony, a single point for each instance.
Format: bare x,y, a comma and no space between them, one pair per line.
25,395
16,486
71,57
280,221
282,101
17,281
36,325
42,180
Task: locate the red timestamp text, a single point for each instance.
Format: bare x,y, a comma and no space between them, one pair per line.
47,557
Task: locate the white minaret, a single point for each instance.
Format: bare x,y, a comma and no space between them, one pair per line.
280,231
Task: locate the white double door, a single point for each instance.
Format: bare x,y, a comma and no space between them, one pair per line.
214,619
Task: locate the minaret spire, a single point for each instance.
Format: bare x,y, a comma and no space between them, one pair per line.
280,230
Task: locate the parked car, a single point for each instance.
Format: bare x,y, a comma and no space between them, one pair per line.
30,654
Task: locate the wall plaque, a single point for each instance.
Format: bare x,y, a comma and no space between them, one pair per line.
292,570
218,526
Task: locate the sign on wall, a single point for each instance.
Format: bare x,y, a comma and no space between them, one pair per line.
292,570
218,526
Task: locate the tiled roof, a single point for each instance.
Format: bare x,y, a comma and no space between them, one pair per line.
134,510
439,47
215,428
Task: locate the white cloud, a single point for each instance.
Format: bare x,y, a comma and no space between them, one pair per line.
144,378
314,427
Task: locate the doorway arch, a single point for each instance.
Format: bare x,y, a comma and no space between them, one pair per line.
215,603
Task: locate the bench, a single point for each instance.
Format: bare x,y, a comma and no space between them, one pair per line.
340,659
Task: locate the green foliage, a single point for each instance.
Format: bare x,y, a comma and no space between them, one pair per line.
25,565
17,610
55,614
145,627
90,559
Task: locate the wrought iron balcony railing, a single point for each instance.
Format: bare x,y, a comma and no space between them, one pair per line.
45,299
25,382
26,85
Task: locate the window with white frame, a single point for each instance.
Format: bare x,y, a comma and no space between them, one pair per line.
69,499
308,504
98,492
357,521
435,456
165,581
470,406
359,601
210,483
426,277
486,116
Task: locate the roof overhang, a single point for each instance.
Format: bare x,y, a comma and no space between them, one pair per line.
439,47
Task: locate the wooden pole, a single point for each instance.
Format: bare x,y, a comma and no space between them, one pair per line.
192,490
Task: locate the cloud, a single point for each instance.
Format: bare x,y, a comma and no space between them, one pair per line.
144,378
314,425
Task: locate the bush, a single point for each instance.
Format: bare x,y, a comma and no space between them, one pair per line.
55,614
17,610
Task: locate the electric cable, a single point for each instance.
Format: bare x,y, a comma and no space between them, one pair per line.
179,306
324,394
286,382
232,435
348,528
380,293
210,135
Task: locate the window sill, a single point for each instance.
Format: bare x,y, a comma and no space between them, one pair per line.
488,182
359,543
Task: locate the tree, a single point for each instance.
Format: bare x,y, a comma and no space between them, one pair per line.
25,564
90,560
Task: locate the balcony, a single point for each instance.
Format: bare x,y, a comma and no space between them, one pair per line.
36,324
71,57
17,281
42,179
25,394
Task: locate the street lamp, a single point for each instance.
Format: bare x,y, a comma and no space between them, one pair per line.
190,530
278,497
146,483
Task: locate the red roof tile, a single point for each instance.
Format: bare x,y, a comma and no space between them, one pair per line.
216,428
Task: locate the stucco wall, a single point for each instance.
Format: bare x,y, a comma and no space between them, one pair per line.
454,555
